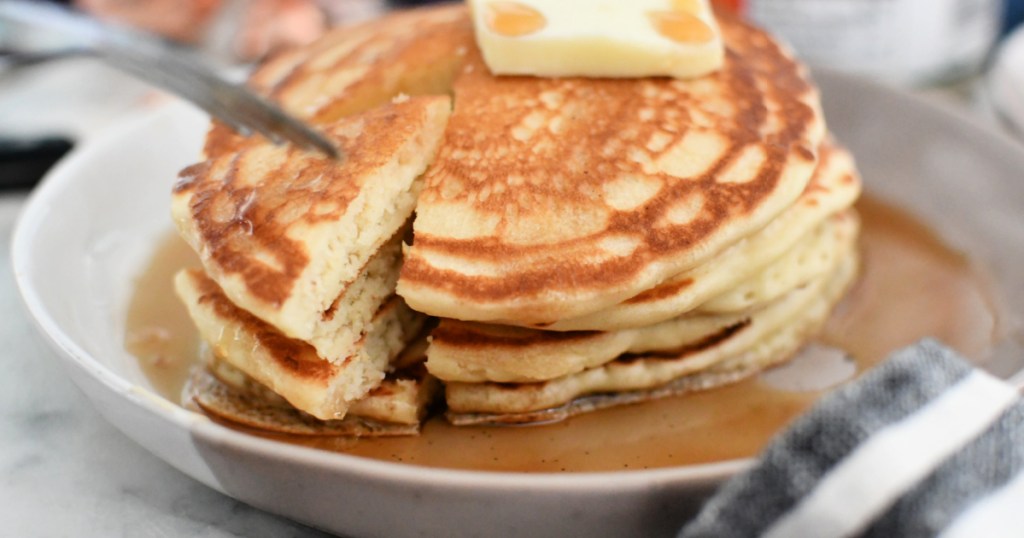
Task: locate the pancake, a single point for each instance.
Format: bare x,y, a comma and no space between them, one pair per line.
475,352
813,257
396,407
353,69
289,235
289,367
766,340
470,352
555,198
834,186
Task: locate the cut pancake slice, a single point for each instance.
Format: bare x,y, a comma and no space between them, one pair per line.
552,198
289,367
287,233
395,407
772,336
834,187
473,352
342,325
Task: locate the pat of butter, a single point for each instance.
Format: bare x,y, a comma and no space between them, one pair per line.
598,38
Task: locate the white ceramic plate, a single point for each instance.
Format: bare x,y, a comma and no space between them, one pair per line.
93,223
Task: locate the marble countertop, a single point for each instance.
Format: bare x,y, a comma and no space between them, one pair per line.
64,471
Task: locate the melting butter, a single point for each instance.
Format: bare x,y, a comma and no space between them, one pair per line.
598,38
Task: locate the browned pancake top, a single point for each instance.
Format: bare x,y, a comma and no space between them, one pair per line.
250,208
818,184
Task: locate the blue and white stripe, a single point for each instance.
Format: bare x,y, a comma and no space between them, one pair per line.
922,446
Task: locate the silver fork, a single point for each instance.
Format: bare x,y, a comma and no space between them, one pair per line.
170,68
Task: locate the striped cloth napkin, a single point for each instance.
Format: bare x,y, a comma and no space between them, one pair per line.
924,445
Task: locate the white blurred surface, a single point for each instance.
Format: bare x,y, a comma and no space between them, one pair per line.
70,97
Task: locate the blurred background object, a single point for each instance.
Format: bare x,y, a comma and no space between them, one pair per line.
1014,15
241,29
905,42
51,95
24,160
1005,82
180,20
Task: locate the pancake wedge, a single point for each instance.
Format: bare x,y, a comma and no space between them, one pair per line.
555,198
770,337
395,407
834,187
291,368
291,236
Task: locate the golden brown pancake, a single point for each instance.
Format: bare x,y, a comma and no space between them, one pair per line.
476,352
769,338
834,186
469,351
305,243
555,198
289,367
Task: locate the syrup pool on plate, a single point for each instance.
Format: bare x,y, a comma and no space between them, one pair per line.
911,286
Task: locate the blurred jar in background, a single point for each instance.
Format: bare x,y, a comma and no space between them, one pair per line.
906,42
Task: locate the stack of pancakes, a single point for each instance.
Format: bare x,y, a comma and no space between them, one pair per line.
583,242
